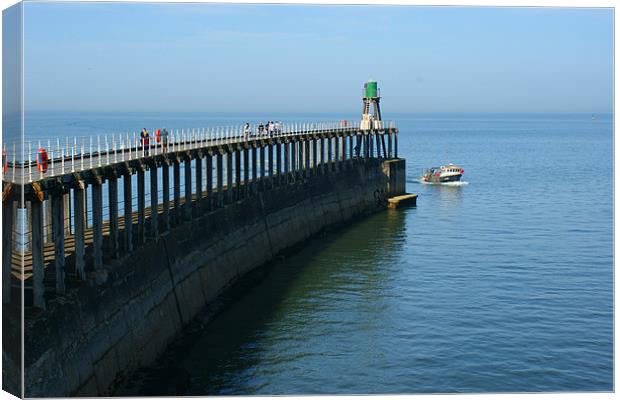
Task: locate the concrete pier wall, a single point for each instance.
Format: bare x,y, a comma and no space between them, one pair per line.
135,305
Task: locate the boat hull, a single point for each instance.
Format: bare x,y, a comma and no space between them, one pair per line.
442,179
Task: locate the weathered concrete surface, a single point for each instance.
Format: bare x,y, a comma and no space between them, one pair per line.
402,201
133,307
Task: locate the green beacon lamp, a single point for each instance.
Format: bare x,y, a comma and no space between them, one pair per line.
371,96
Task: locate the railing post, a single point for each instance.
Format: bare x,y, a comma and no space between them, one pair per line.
58,225
78,201
128,212
38,273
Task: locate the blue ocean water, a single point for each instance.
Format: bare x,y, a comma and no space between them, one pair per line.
501,284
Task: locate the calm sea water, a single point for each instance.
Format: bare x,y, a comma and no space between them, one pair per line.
501,284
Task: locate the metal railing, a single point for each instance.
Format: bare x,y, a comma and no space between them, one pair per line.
72,154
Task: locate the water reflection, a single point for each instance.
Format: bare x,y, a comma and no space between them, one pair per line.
286,318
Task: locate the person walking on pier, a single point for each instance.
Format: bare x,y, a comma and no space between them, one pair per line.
164,140
246,131
144,139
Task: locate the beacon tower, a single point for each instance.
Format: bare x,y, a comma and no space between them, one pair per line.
371,96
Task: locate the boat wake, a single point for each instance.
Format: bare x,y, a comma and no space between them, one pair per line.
459,183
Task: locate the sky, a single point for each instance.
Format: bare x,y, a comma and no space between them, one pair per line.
171,57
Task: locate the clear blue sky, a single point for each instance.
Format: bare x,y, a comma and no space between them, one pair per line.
244,58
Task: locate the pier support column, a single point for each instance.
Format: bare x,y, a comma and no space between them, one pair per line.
113,201
262,167
254,169
300,161
389,144
270,164
278,164
28,245
38,273
128,212
209,172
67,214
287,166
322,155
343,153
58,225
176,189
229,177
79,194
395,144
187,167
237,174
307,157
220,180
336,153
329,155
351,149
371,143
246,172
47,227
315,157
7,248
154,226
141,201
199,200
165,181
293,159
98,223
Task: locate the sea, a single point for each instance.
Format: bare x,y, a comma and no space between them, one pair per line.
500,283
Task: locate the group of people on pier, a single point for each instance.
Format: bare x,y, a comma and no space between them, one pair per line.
161,139
271,128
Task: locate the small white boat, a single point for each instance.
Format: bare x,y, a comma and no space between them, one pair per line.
444,173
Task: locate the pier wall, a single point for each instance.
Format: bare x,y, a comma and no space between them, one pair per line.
136,304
